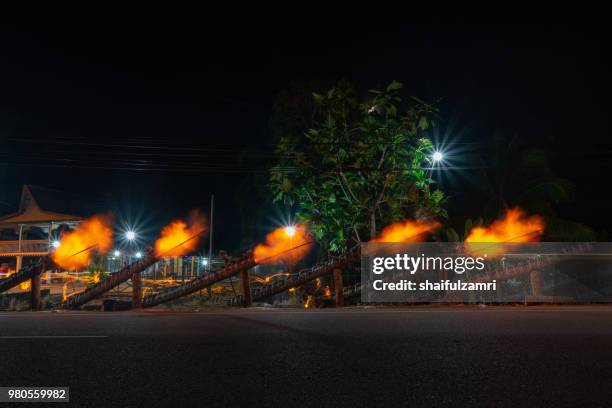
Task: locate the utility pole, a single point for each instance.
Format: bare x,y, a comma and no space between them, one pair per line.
19,259
210,237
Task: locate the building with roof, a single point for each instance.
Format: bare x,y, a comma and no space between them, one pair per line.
42,216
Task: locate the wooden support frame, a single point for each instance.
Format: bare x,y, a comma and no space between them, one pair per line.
246,288
338,285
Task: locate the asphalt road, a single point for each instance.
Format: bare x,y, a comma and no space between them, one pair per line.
495,356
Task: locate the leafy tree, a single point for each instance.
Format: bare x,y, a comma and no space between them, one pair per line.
358,164
293,110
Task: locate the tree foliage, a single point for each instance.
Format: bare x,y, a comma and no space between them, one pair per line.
358,164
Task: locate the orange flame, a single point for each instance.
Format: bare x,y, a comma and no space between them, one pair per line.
308,303
65,292
515,226
268,278
406,231
262,280
179,238
95,278
289,244
76,246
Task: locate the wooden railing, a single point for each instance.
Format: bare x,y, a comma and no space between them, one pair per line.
27,247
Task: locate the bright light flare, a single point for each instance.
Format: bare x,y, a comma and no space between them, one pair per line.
407,231
56,244
437,156
289,244
130,235
290,231
76,246
138,255
116,253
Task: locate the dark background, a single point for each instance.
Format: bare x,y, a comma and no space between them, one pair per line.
157,108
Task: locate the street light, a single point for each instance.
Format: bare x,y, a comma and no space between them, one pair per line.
138,254
205,262
437,156
290,231
55,244
130,235
116,253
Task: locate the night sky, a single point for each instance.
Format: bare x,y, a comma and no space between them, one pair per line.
151,107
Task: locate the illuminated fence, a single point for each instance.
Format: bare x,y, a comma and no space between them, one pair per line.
176,268
232,268
25,247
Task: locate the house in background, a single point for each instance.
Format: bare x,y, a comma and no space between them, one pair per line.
42,216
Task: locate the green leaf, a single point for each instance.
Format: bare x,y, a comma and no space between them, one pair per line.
336,140
286,185
467,228
423,123
394,86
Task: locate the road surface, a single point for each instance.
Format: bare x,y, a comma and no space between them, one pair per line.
462,356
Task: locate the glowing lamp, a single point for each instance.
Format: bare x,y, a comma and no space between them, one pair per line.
290,230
